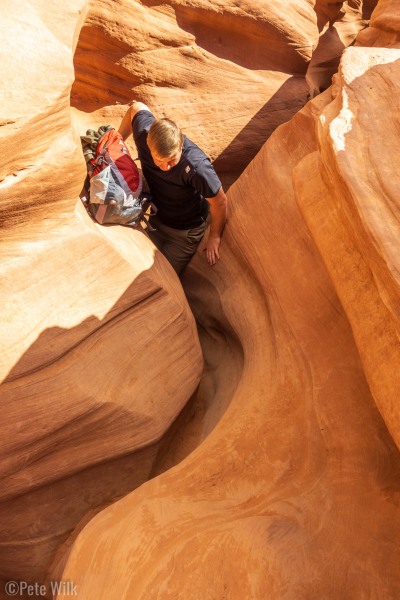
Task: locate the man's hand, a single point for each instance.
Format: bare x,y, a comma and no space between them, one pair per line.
218,209
212,248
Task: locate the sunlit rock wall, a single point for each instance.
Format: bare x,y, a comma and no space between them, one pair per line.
295,493
296,489
100,351
99,348
229,75
384,29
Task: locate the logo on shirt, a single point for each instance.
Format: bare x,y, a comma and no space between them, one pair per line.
187,169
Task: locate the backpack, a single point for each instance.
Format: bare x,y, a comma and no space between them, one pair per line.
114,183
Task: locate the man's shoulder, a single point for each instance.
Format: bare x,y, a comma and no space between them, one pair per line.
192,155
198,170
143,119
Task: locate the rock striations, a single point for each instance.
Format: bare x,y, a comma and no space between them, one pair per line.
100,350
280,478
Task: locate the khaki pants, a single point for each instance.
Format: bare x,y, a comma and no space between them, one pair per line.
177,245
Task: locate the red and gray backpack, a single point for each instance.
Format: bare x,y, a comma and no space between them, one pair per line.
113,189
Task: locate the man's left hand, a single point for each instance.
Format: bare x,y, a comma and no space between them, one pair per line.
218,207
212,249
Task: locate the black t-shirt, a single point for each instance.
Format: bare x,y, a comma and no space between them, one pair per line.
179,193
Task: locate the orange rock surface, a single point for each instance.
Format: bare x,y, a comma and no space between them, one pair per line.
100,350
280,477
228,74
384,29
295,491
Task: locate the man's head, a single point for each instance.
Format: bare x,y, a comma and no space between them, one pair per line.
165,141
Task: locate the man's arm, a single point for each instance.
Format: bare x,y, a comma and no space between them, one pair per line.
125,128
218,210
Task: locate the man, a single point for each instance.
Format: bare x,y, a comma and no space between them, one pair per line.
183,185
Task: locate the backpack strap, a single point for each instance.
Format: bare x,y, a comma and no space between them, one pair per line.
98,161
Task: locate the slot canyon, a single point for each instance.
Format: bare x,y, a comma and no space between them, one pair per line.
232,434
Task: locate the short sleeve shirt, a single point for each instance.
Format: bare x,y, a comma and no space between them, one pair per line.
180,193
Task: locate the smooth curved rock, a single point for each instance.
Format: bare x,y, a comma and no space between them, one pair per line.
384,29
229,75
99,348
339,23
294,487
350,205
295,491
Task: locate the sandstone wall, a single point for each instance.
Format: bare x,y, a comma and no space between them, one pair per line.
294,494
229,75
384,29
293,488
99,348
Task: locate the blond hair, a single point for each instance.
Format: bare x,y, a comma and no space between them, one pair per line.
164,138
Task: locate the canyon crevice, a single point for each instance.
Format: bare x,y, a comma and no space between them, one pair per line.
236,436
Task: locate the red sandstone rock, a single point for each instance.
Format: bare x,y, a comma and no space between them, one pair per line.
295,491
99,348
384,30
229,75
350,205
339,24
291,487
